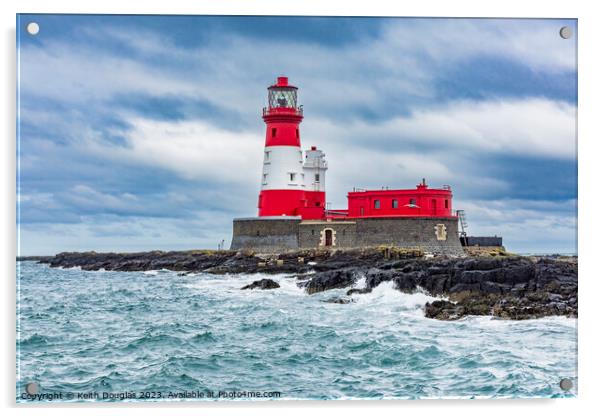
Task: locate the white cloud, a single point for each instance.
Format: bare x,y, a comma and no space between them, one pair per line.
534,42
533,126
201,151
69,73
86,197
193,149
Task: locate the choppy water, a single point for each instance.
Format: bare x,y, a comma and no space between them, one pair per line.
155,332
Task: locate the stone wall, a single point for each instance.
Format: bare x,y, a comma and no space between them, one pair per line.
266,234
272,234
311,233
432,234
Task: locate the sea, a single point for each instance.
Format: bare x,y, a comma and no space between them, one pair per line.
160,335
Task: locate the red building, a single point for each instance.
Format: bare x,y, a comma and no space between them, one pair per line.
420,202
293,183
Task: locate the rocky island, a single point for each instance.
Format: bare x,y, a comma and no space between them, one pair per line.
494,284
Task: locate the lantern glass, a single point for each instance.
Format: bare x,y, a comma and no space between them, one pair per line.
279,97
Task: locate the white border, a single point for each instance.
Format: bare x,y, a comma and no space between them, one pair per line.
590,177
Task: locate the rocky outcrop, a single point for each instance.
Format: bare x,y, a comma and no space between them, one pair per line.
332,279
219,262
262,284
511,287
183,261
39,259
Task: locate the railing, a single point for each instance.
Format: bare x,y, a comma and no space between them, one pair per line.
269,111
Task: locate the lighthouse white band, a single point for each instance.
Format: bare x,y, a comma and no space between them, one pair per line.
284,168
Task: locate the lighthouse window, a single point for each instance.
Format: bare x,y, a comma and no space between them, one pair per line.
317,177
394,203
282,97
297,133
265,178
377,204
273,132
267,155
291,177
446,203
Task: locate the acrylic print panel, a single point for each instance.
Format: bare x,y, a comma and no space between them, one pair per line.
275,208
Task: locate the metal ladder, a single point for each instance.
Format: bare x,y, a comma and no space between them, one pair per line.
463,224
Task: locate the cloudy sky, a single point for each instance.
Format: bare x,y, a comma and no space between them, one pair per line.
144,132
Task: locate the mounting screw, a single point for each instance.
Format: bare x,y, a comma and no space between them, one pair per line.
565,32
32,388
33,28
566,384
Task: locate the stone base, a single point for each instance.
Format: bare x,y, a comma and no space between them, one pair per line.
437,235
266,234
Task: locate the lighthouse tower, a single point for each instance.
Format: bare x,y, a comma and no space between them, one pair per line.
292,183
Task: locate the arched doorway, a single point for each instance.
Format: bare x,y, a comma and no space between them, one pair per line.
328,237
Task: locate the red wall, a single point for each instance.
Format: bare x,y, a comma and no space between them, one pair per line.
429,202
313,205
276,202
285,123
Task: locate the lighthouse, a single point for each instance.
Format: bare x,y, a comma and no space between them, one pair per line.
292,183
292,211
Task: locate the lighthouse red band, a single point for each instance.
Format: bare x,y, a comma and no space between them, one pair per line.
292,182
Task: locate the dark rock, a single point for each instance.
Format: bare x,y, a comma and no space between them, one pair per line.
334,279
262,284
436,284
553,297
39,259
375,277
443,310
465,287
342,301
359,291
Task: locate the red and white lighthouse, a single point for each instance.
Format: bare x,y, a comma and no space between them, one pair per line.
292,211
292,183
